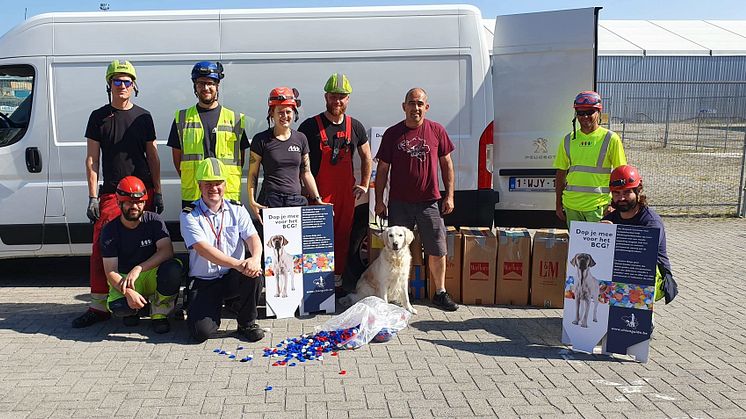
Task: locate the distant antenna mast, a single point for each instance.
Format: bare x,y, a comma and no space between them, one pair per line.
25,12
103,6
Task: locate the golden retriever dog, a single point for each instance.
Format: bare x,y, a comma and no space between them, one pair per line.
388,276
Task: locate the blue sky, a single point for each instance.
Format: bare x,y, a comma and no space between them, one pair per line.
12,11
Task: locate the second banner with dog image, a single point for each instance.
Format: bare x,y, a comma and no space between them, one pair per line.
609,289
299,260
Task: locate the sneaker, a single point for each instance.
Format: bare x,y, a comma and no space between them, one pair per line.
89,318
131,321
444,301
161,326
252,332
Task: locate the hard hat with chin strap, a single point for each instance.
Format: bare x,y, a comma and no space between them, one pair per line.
120,67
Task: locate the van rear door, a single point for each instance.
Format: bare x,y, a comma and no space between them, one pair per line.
24,154
540,62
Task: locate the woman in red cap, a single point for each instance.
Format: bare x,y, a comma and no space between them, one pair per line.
283,153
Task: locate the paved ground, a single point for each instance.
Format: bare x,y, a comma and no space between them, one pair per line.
478,361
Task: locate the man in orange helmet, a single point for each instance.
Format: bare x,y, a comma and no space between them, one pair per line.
631,208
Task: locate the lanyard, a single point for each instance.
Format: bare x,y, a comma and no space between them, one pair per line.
212,226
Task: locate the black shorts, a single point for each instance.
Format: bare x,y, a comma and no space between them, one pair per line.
426,216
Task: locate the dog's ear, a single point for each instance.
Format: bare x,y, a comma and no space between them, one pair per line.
574,261
269,242
408,236
593,262
284,241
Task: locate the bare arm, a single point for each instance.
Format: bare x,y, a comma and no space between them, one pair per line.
252,180
215,256
154,164
446,172
307,178
93,150
382,179
176,156
559,186
134,299
253,265
366,165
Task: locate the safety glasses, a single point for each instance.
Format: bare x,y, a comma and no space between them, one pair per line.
585,113
119,83
616,183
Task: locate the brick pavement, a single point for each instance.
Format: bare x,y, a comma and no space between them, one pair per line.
478,361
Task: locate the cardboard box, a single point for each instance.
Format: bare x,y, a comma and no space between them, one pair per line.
375,242
478,272
548,268
416,249
453,266
513,266
417,282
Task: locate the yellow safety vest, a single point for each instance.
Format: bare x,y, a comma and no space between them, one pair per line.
229,131
589,172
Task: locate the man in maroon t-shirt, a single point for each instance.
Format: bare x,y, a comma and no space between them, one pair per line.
412,150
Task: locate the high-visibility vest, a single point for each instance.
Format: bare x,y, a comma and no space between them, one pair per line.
228,133
588,175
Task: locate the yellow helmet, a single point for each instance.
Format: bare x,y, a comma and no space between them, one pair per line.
210,169
338,83
120,66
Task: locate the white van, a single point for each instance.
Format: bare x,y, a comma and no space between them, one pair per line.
52,76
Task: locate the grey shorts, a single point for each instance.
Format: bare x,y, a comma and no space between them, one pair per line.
426,215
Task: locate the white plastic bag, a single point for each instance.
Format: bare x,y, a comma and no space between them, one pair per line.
369,316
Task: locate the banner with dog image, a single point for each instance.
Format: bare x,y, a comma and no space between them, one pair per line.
283,256
609,288
318,259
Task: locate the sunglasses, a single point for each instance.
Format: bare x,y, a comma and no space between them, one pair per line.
119,83
134,195
621,182
585,113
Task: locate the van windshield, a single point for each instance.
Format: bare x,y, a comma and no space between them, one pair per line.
16,95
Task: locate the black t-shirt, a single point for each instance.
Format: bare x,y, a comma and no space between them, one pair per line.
310,128
648,218
122,136
132,246
209,119
281,160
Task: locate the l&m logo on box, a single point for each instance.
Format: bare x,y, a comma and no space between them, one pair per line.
479,268
548,269
513,268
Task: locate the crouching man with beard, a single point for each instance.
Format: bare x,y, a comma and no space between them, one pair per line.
139,260
631,208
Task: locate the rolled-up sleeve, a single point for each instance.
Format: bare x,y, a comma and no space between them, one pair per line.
245,225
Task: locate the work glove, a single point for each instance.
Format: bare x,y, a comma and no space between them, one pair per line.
158,202
93,212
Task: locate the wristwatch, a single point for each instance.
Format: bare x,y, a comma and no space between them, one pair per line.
317,199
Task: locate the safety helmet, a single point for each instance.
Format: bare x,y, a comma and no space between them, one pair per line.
120,66
588,100
624,177
131,189
210,169
284,96
338,83
213,70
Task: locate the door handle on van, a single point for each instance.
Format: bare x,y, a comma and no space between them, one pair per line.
33,160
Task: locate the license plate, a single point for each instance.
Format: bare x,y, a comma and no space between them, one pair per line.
531,184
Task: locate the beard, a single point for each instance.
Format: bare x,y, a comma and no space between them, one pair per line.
128,215
624,206
336,110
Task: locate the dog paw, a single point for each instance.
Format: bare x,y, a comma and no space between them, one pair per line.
584,325
277,295
573,322
412,310
595,321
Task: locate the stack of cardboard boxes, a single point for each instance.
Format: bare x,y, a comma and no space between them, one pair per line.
482,268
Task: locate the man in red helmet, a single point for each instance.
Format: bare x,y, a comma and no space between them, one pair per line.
121,136
585,158
138,259
631,208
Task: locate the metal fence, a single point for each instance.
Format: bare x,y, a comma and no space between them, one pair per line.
690,150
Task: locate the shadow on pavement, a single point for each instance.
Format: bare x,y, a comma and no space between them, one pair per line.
515,337
46,272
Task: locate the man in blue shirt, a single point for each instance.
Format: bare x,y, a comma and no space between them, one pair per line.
631,208
218,232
